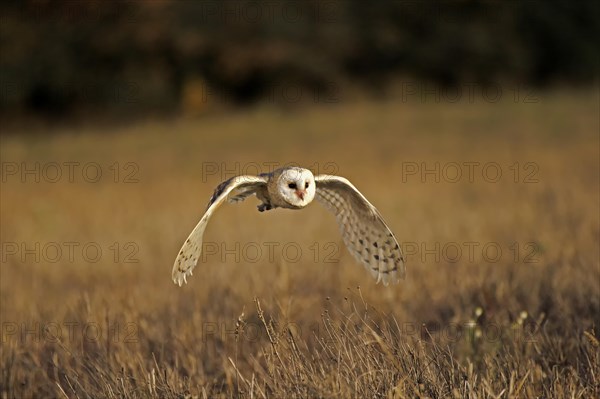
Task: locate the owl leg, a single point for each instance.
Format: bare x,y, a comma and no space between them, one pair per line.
266,201
265,206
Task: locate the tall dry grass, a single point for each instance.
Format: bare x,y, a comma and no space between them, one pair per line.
523,324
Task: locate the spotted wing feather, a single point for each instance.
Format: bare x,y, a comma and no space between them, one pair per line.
239,188
365,233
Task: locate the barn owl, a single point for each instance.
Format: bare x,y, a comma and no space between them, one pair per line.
363,230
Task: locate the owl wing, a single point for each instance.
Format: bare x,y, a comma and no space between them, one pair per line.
365,233
237,188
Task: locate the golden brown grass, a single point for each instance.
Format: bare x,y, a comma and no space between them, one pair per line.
277,328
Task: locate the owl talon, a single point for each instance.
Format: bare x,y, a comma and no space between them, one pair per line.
264,207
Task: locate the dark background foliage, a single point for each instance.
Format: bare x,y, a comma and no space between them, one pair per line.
58,58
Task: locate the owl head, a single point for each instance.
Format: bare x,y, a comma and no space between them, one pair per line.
297,186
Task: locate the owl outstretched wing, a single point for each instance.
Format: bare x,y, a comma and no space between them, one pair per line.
236,189
365,233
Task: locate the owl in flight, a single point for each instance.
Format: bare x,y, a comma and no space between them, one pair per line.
363,230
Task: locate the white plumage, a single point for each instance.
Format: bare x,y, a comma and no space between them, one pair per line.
364,231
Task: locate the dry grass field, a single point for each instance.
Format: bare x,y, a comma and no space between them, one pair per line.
496,206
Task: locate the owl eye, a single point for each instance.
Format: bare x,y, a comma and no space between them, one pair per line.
306,185
292,185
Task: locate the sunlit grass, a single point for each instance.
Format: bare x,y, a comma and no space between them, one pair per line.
524,325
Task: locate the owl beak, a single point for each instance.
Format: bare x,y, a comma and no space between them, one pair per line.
300,194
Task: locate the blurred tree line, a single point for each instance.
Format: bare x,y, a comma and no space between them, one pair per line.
115,57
